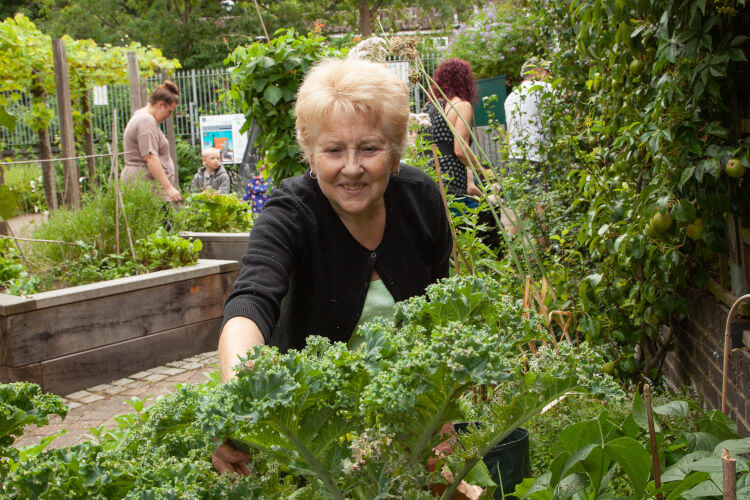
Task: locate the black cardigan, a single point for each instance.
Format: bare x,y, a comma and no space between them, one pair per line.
305,274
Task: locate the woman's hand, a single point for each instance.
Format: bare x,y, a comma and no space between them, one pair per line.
472,189
174,194
228,459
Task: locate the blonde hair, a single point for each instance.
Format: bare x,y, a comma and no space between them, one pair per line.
208,151
354,88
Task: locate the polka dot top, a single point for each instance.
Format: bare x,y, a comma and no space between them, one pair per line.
454,172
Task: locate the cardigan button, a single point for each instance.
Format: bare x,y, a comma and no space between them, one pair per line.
373,256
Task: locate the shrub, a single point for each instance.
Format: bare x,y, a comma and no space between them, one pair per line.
188,161
265,80
496,41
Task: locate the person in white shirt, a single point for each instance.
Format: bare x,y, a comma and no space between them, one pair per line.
523,114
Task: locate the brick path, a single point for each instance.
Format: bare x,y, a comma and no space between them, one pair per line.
100,404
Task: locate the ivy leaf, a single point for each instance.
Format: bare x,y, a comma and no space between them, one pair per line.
687,483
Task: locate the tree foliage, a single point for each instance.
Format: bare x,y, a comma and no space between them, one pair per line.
26,66
642,133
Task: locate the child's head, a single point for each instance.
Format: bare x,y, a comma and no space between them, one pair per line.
211,158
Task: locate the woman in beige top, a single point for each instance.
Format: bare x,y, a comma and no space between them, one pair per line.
146,147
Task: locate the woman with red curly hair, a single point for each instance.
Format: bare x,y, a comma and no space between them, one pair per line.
453,92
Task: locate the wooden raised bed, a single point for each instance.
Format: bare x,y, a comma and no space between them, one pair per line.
223,246
71,339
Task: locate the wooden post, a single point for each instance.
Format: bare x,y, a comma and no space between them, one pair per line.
88,138
169,125
65,114
45,149
729,470
136,97
652,438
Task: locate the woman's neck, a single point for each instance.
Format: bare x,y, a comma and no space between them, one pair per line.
150,109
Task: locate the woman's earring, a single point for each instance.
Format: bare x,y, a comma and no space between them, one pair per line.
397,171
313,175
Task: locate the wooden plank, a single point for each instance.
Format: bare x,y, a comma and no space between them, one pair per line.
10,304
230,246
59,331
28,373
136,98
104,364
725,296
65,115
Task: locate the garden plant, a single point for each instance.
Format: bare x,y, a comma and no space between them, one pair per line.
76,247
643,171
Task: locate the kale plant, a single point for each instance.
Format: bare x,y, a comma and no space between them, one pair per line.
363,423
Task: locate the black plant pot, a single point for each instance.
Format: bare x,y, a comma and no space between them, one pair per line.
509,460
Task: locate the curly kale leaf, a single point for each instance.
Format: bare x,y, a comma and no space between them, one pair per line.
22,404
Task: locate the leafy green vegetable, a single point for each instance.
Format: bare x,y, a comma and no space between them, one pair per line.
210,211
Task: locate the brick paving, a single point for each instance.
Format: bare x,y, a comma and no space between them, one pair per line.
102,403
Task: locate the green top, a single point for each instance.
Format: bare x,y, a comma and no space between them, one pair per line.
379,302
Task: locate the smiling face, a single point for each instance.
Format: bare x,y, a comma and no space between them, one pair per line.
352,159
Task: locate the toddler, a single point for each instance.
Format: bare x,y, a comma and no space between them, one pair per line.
211,173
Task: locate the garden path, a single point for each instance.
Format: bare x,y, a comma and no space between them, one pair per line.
24,225
101,404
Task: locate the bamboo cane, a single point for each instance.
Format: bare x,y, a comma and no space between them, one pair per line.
114,175
37,240
257,9
727,347
652,438
23,255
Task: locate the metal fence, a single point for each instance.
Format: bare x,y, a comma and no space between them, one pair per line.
201,93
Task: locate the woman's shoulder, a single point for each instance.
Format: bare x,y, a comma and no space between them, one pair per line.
413,179
300,190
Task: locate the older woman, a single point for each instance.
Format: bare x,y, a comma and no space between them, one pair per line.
454,91
345,241
145,146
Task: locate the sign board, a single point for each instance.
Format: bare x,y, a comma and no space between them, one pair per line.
223,133
100,95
